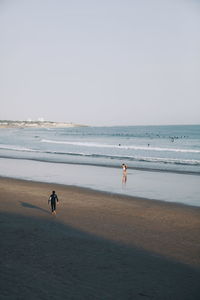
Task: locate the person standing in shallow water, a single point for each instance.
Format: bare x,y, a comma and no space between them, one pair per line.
53,199
124,177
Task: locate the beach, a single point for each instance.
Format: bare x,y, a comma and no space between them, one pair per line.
164,186
100,107
98,246
163,161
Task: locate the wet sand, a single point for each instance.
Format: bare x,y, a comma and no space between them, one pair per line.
98,246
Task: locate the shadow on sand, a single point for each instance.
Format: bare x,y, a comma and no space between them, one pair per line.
28,205
45,259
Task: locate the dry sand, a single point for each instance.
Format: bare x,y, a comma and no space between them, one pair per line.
99,246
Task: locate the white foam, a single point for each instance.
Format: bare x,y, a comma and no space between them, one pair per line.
126,147
16,148
93,154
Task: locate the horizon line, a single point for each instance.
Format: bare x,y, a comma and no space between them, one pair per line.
99,125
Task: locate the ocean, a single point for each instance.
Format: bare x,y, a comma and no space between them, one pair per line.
165,149
174,148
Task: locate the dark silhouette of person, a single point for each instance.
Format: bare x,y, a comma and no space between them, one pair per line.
53,199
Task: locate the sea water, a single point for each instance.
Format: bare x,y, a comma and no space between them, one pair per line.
175,148
165,149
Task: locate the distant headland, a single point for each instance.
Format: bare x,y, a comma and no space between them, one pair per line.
36,124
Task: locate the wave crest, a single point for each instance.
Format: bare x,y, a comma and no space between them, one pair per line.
125,147
148,159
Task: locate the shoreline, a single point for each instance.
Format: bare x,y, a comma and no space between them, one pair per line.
172,210
160,186
104,165
96,246
90,190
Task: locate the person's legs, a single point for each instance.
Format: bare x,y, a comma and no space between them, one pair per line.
53,206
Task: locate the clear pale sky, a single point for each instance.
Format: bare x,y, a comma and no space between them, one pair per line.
100,62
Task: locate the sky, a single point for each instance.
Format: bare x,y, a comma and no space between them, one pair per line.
100,62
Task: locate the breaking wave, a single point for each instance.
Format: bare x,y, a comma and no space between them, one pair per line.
163,160
125,147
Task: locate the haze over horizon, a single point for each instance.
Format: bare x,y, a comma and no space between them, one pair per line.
100,62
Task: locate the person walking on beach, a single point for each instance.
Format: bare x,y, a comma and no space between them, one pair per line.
53,199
